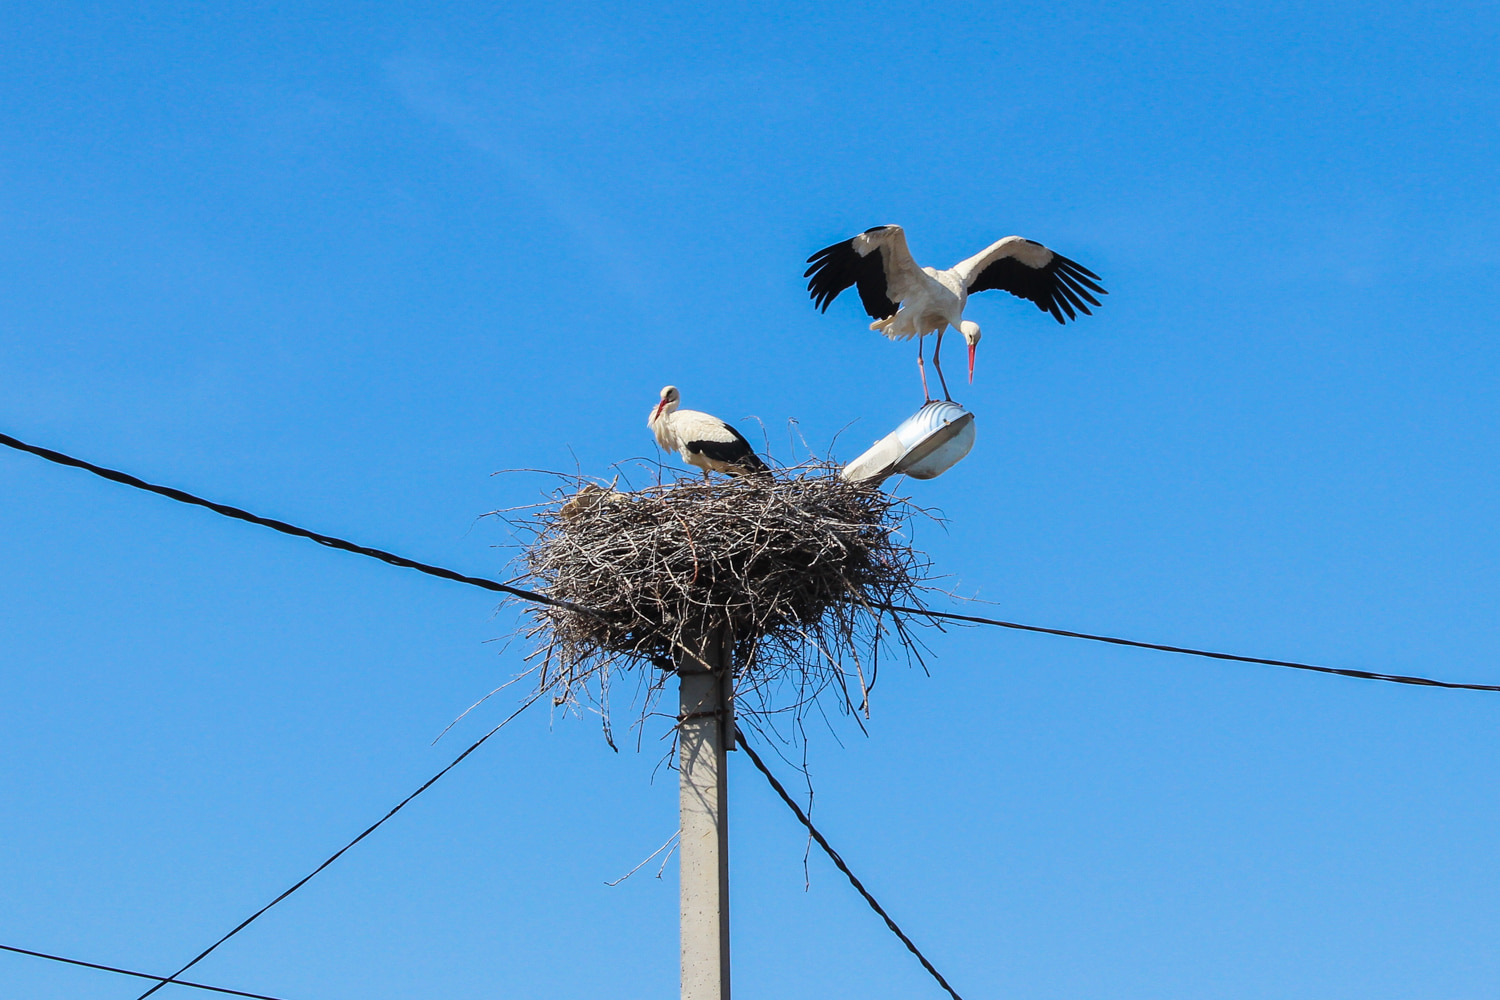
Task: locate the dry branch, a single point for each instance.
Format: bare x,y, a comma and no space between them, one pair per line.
795,565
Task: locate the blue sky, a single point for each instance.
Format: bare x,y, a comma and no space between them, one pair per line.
339,263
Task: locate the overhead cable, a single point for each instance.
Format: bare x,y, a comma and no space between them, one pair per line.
1368,675
530,595
182,496
336,854
139,975
833,856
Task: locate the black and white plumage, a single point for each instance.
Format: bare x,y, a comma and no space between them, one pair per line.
701,439
907,300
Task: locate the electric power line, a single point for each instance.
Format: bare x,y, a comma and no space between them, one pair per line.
528,595
833,856
1340,671
335,856
139,975
182,496
493,586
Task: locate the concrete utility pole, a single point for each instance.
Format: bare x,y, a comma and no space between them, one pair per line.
705,732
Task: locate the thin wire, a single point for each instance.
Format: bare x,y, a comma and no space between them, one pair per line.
833,856
181,496
371,829
1340,671
528,595
138,975
490,585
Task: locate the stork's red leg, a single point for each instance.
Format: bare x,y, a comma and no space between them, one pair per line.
926,396
936,348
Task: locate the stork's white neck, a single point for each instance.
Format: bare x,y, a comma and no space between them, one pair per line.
660,422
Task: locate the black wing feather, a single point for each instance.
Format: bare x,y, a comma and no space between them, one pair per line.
837,267
1062,286
737,452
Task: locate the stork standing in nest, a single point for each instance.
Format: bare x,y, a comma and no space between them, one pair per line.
910,301
701,439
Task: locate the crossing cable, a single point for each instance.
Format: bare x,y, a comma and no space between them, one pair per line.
138,975
493,586
335,856
529,595
833,856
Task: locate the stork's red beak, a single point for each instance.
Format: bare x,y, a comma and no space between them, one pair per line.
657,412
971,363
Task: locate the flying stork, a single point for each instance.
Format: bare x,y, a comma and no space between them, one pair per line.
701,439
909,301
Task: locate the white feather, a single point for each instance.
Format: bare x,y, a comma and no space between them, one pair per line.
677,430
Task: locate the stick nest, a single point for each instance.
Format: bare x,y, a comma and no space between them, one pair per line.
798,568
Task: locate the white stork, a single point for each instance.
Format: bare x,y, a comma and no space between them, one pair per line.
909,301
701,439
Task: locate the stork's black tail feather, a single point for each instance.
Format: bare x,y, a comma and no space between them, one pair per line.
751,465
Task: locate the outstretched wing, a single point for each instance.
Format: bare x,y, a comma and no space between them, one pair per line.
1027,269
876,260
